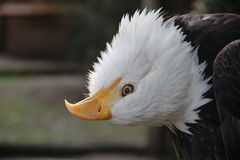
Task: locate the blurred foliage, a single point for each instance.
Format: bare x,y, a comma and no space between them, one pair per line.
214,6
94,23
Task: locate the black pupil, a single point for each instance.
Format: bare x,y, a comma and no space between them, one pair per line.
127,90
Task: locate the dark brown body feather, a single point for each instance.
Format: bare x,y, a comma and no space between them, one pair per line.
226,74
210,141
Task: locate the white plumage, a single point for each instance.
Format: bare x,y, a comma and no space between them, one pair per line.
151,55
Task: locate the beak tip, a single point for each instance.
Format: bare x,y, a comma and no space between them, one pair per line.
67,104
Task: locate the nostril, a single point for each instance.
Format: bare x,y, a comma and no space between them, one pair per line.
100,109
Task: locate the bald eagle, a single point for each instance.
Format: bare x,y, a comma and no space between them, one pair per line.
182,72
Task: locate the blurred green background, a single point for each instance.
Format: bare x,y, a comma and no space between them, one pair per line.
46,49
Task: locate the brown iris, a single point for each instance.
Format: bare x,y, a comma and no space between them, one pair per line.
127,89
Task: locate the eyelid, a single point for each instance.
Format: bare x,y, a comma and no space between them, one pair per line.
127,85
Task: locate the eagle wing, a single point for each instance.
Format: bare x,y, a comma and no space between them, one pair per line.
226,73
210,33
226,78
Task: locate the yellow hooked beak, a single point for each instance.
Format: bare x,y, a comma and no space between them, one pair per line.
95,106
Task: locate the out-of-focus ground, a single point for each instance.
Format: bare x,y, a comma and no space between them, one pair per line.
33,112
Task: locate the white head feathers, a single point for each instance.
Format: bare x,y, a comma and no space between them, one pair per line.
152,55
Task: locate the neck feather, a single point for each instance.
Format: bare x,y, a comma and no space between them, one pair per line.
195,97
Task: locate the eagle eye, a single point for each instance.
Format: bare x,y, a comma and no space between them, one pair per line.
127,89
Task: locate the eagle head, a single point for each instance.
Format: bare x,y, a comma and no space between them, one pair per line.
148,75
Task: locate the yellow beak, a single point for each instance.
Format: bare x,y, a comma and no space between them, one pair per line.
94,107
